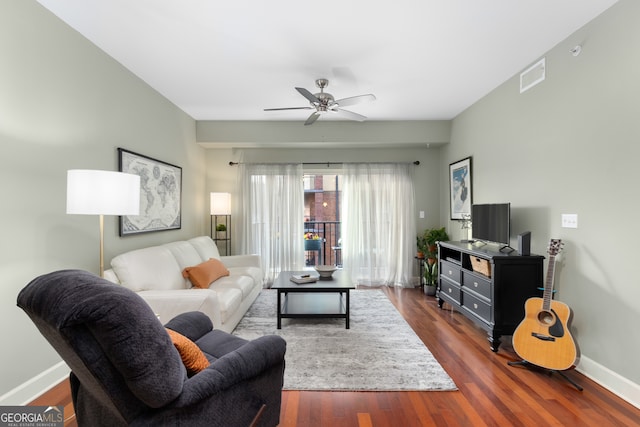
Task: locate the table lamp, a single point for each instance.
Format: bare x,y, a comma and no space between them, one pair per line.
221,206
98,192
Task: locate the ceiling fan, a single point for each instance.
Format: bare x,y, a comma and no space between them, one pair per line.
324,102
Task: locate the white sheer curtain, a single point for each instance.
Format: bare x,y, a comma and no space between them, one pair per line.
378,229
273,212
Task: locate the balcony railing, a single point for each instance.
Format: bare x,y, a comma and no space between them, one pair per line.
329,251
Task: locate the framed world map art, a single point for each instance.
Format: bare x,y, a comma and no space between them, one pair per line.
160,194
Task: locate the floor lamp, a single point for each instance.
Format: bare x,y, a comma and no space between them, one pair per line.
97,192
221,206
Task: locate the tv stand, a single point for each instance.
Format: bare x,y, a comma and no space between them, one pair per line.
494,302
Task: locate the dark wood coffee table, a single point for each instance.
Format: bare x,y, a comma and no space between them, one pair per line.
321,299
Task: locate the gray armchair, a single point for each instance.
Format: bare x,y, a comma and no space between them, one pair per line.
126,371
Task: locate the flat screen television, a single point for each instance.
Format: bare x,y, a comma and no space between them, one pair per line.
491,222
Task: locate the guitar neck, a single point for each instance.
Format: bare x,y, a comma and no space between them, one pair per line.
548,286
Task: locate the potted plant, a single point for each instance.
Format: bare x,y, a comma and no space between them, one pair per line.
431,237
421,245
221,230
312,242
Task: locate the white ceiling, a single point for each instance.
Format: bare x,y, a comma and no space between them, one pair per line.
423,59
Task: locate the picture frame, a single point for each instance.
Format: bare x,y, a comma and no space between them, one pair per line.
460,189
160,194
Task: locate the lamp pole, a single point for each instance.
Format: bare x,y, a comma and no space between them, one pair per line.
101,245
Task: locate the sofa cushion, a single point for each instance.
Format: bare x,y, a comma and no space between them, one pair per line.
254,272
244,284
149,268
169,304
206,247
203,274
185,254
192,357
230,299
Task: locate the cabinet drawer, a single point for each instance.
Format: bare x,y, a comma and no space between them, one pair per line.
476,306
450,289
477,284
450,271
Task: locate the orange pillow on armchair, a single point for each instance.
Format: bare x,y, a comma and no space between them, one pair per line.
192,357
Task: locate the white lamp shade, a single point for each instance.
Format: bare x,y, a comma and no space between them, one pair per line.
220,204
97,192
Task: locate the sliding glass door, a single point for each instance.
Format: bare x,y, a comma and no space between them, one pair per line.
322,218
360,218
378,223
272,202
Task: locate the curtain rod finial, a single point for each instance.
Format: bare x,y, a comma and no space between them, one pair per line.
417,162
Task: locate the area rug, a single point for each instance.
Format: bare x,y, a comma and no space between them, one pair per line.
379,352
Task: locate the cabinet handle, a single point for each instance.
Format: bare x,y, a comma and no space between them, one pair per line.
475,306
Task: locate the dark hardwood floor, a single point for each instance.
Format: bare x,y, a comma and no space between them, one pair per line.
60,395
490,393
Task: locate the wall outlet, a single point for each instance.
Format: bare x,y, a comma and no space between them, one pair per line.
569,220
422,214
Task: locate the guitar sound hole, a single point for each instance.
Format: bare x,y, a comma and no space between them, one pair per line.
546,318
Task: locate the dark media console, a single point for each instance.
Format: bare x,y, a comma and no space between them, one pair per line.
495,302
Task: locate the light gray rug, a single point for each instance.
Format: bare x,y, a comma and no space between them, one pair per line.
380,351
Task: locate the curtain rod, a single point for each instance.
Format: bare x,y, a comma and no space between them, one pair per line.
417,162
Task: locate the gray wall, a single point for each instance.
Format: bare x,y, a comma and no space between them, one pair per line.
571,145
65,104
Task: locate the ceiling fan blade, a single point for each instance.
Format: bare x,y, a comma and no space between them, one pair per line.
288,108
349,115
312,118
311,97
344,102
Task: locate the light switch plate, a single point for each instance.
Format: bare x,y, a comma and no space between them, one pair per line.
569,220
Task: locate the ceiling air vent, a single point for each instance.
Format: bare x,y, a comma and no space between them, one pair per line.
532,75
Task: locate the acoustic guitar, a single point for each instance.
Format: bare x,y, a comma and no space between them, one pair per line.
543,337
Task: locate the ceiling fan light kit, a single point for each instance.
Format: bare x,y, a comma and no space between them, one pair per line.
324,102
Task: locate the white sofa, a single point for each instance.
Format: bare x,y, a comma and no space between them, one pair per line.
155,273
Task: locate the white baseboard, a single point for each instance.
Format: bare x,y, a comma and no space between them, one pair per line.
28,391
615,383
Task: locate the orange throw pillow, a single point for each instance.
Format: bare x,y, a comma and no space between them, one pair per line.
203,274
192,357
